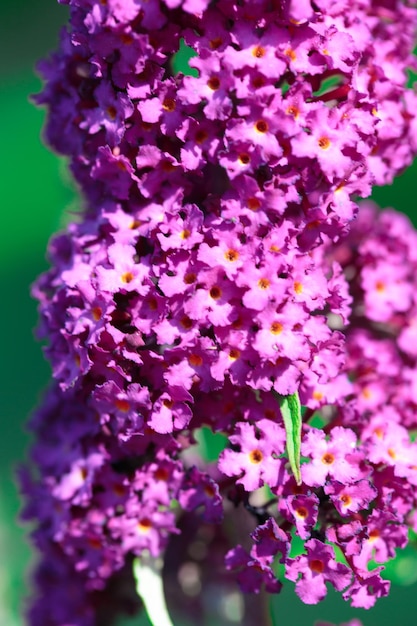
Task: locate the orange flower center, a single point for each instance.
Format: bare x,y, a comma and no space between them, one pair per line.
254,204
209,491
215,292
195,359
327,458
301,512
127,277
244,158
96,313
324,143
186,322
169,105
111,112
317,395
293,110
213,83
255,456
317,566
215,43
276,328
345,499
161,474
231,255
145,524
190,278
263,283
289,52
258,52
201,136
122,405
261,126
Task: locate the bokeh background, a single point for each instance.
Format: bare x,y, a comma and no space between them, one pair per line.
36,197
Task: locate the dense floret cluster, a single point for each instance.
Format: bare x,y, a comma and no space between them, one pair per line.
296,105
213,272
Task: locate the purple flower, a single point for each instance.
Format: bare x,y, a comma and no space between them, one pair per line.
256,463
269,540
335,458
253,574
254,569
351,498
367,589
384,534
212,265
311,572
199,490
302,510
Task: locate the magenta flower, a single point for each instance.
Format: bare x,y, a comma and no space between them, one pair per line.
254,575
311,572
215,268
351,498
257,461
302,511
336,458
254,570
367,589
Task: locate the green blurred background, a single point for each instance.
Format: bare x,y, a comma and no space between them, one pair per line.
35,195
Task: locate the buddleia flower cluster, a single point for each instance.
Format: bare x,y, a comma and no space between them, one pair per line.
214,272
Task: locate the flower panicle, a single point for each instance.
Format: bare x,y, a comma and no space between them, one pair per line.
215,267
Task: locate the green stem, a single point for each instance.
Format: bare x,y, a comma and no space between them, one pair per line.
149,586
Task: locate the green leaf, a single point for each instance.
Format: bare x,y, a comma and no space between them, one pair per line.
181,58
291,414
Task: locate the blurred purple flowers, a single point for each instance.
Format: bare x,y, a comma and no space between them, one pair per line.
216,262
